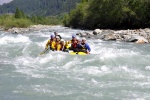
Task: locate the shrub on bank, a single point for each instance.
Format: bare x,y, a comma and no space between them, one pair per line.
46,20
21,23
9,21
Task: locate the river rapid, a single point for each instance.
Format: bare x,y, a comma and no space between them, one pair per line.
113,70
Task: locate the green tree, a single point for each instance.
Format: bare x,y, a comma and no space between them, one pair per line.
23,14
18,13
114,14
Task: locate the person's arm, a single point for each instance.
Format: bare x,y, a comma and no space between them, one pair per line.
47,44
79,46
88,47
59,36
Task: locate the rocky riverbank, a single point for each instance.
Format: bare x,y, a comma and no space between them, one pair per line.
26,30
137,36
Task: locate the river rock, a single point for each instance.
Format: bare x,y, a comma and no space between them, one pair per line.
137,39
147,30
85,34
118,36
97,31
18,30
1,28
82,34
110,36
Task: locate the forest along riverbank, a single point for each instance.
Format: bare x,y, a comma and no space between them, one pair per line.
137,35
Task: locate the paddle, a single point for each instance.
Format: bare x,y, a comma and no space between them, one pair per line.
44,51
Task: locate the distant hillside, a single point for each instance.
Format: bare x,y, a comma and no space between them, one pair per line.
40,7
4,1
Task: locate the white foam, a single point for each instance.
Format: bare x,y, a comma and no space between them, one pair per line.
46,59
43,44
17,92
93,70
69,64
18,39
5,54
94,81
147,68
133,73
24,60
29,66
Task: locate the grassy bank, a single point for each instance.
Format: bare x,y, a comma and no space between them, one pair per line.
9,21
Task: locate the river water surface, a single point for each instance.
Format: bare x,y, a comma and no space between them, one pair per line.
113,70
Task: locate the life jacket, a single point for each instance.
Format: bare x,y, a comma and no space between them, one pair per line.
52,44
83,47
73,44
68,44
58,45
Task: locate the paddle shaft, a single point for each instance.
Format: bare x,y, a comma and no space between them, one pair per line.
44,51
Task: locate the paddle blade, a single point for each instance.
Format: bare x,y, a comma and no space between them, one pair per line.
44,51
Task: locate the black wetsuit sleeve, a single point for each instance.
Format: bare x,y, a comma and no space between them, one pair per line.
59,36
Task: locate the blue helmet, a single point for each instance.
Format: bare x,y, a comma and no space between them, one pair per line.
73,36
52,36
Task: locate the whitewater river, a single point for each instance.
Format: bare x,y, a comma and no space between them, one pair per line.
113,70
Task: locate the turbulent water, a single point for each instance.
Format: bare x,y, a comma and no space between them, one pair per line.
113,70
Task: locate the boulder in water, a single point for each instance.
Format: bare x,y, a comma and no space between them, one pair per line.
138,39
97,31
109,37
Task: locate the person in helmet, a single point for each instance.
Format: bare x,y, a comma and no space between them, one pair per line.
69,43
84,47
61,45
56,34
73,38
73,42
51,43
58,43
78,40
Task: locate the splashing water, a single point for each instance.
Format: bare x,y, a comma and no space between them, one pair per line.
113,70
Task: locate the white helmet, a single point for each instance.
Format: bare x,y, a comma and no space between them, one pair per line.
84,38
57,37
62,40
77,38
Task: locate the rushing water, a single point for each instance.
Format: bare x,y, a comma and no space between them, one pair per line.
113,70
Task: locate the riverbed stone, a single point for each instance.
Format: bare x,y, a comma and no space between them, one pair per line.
109,37
97,31
138,39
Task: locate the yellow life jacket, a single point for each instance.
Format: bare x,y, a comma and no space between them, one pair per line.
50,43
68,44
58,47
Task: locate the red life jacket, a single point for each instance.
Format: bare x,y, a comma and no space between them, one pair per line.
74,45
